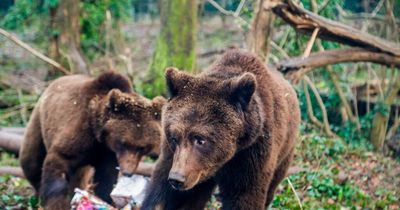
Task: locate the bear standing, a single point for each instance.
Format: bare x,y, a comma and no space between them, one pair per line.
80,121
235,126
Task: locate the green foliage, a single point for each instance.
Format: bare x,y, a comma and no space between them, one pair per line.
8,159
176,44
20,14
24,199
319,185
93,17
13,115
26,13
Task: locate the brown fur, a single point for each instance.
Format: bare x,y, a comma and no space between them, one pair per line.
234,125
80,121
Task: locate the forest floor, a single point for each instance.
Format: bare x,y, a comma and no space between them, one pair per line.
328,174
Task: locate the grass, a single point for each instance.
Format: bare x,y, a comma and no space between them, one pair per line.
331,175
336,175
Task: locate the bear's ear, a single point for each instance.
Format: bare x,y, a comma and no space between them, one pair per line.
242,89
156,106
117,101
113,97
175,80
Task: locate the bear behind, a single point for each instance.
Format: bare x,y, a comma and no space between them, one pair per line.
234,125
80,121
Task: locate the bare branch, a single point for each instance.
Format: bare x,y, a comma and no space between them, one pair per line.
310,43
328,57
305,21
326,125
33,51
239,8
229,13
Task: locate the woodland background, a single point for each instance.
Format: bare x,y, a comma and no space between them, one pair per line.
343,60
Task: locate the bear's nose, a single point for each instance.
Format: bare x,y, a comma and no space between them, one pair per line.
127,174
176,180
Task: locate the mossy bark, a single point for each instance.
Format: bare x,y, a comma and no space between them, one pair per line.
381,118
176,44
65,42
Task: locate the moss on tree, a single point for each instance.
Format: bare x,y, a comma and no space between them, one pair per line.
175,45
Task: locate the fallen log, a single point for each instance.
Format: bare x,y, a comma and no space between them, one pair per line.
11,170
10,141
144,169
306,22
15,130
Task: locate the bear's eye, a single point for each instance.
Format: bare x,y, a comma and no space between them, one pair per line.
198,140
140,149
174,140
119,146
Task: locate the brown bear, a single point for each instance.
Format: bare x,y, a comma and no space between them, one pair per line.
233,126
81,121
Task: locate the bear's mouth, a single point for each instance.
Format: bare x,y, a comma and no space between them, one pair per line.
183,183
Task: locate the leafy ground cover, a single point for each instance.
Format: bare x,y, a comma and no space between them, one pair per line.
329,174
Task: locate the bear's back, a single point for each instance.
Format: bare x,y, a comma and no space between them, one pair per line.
277,96
64,105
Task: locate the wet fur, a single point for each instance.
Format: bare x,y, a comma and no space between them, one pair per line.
266,129
73,126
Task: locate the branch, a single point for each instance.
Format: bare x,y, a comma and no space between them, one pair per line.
11,170
10,141
15,130
230,13
305,21
33,51
328,57
310,110
325,122
310,43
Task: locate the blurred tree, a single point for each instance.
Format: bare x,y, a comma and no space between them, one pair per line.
65,45
80,23
176,43
261,29
5,5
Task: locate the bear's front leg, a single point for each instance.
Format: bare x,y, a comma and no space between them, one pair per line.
106,175
244,192
249,199
158,189
55,185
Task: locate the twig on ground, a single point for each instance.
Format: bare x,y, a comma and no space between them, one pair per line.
295,193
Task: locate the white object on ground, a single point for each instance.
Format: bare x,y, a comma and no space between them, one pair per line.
129,190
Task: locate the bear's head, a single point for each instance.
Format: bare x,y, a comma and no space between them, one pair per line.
206,122
130,126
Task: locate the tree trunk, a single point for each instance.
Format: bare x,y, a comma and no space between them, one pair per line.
261,30
381,118
175,44
65,43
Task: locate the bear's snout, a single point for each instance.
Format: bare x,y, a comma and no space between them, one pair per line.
176,180
128,163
